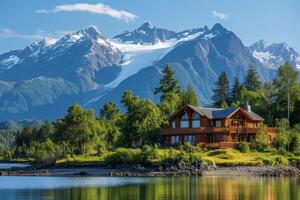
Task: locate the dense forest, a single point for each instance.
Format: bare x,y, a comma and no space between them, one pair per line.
84,132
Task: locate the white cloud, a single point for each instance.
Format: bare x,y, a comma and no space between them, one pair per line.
92,8
38,35
219,15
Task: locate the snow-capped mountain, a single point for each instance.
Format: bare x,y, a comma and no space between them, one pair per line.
275,54
149,34
43,79
44,72
198,61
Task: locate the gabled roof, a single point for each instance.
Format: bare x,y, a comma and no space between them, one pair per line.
218,113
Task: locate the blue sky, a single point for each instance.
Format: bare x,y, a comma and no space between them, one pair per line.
25,21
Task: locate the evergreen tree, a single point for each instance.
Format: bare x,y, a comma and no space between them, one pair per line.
189,96
168,84
236,90
221,95
252,82
288,89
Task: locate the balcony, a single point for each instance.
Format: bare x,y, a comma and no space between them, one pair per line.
177,131
201,130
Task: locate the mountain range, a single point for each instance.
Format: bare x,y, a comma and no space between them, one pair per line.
43,79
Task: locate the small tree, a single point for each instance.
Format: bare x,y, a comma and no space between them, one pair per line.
282,134
189,96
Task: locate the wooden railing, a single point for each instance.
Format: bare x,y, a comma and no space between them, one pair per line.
217,145
240,130
175,131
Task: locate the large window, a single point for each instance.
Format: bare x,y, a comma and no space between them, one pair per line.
173,124
190,139
218,123
175,140
184,121
196,121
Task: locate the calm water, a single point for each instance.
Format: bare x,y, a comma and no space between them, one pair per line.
10,165
130,188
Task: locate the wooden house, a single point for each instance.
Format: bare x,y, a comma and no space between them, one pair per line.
215,127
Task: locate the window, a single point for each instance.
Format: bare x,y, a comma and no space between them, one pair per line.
196,121
184,121
255,124
190,139
223,137
270,138
173,124
218,123
175,140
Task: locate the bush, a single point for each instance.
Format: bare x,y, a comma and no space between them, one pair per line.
124,157
175,157
281,151
187,147
260,147
243,147
281,160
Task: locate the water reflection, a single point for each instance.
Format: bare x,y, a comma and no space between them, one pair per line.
175,188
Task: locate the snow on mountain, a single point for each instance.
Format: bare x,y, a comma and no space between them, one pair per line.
136,57
276,54
150,35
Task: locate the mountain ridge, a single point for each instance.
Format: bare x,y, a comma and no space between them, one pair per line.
86,67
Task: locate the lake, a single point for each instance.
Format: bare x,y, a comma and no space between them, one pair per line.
10,165
147,188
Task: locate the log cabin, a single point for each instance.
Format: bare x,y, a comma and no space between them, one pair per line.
215,127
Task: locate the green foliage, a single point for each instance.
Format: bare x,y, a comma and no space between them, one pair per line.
287,89
124,157
261,138
141,122
236,90
189,96
187,147
221,95
168,84
170,103
243,147
252,82
110,111
78,128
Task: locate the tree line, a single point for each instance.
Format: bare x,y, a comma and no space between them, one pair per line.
81,132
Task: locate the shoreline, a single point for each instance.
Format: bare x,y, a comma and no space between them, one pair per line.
265,170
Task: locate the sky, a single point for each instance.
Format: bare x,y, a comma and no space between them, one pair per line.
25,21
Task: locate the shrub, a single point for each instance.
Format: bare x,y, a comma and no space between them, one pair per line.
268,161
281,160
124,156
187,147
260,147
281,151
243,147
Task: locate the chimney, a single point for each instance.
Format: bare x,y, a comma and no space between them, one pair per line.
247,107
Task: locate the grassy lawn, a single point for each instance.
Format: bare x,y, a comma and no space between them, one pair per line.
219,157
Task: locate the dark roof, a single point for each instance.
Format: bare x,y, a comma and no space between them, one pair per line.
218,113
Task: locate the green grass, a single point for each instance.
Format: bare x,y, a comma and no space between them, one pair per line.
219,157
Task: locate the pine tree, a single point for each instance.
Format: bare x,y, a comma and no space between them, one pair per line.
236,90
168,84
222,91
251,80
189,96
